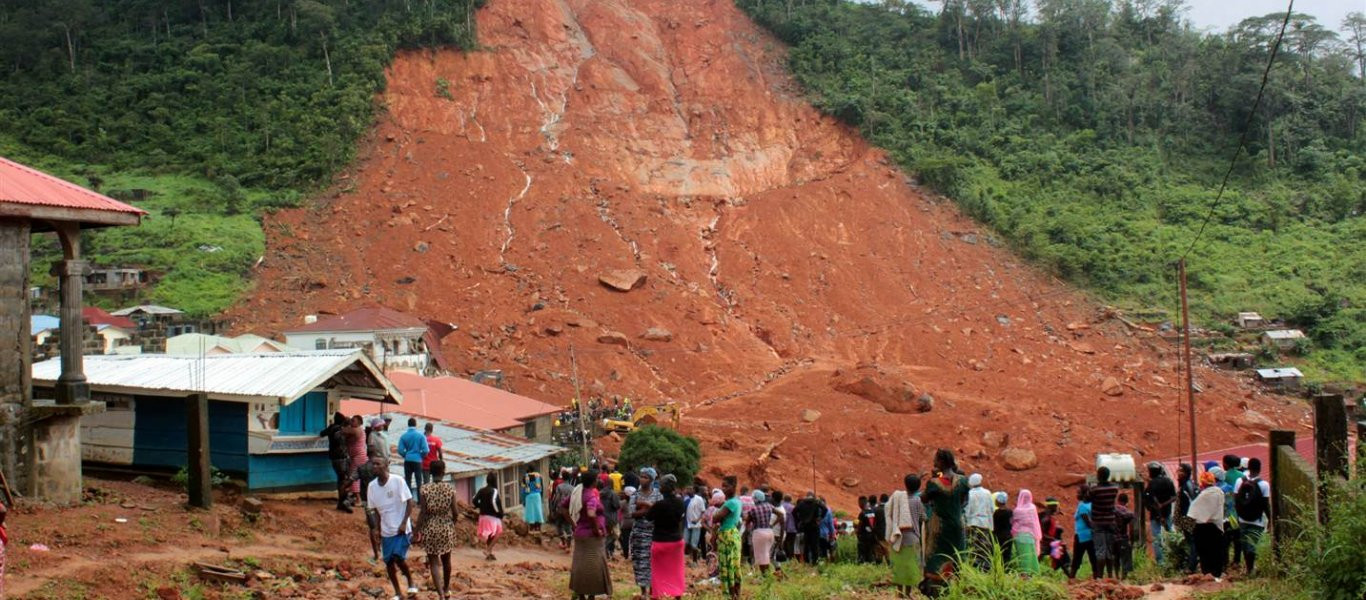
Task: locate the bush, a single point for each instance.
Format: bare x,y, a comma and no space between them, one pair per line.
1001,582
182,477
1330,559
664,449
1175,552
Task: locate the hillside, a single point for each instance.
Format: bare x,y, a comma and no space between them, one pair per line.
794,266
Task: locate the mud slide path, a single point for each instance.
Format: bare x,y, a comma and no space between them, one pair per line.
792,265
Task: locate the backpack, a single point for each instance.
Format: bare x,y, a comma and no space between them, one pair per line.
1248,501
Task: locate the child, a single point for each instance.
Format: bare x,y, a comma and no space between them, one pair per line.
1124,546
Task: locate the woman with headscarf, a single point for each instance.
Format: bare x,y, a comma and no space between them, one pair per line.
978,518
759,522
588,573
533,511
902,517
667,572
1208,513
643,530
1026,531
946,493
1000,525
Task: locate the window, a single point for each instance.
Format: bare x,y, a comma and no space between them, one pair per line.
320,344
529,430
304,416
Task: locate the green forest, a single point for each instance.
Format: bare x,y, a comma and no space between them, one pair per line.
1093,136
206,112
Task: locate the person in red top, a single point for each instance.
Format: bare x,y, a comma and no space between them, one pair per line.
433,454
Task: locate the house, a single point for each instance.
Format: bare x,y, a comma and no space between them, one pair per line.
394,340
265,410
39,448
1283,379
115,280
472,453
113,331
154,317
200,343
1231,360
43,326
464,402
1284,339
1250,320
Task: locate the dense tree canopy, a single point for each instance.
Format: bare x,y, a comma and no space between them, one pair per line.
666,450
1093,134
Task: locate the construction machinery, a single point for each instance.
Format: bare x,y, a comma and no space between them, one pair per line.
645,415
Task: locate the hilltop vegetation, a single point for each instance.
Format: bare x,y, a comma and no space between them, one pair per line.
1093,134
207,112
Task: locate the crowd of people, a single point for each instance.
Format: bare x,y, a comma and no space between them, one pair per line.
573,427
922,532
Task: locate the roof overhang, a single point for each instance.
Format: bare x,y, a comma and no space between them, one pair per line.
44,216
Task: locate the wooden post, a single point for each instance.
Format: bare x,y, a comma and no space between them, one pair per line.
1278,437
1190,375
1330,444
197,450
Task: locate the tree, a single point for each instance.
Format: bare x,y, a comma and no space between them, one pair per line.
664,449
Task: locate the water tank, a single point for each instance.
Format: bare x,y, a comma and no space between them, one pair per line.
1122,469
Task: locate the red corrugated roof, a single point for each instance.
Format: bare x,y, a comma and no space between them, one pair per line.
370,318
93,315
459,401
24,185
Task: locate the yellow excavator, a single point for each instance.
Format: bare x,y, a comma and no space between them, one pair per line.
645,415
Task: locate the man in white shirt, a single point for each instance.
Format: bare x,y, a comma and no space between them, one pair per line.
1255,503
696,506
389,513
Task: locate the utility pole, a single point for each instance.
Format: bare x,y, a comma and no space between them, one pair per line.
578,402
1186,334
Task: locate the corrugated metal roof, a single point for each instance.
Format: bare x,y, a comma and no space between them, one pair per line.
151,309
94,315
1285,334
281,375
370,318
1279,373
459,400
25,185
467,450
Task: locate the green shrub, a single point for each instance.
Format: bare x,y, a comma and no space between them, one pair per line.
1330,559
1000,583
664,449
182,477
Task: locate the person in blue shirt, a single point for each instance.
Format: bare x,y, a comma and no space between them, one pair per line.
1081,542
412,447
827,542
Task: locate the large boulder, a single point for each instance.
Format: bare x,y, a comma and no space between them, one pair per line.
623,280
1252,420
1112,387
810,415
1019,459
995,439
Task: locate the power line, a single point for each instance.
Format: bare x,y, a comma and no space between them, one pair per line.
1247,127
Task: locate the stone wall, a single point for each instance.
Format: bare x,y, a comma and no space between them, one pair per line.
14,346
1298,487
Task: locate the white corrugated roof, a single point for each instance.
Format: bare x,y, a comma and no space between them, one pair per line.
1279,373
151,309
467,450
279,375
1285,334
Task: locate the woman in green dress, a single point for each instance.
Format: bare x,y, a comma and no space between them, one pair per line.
945,494
1027,534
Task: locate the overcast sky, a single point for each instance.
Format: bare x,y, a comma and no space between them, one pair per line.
1220,14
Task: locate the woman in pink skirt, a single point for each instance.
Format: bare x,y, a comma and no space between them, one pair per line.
490,514
760,523
668,577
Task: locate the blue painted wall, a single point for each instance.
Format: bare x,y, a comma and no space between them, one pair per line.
159,437
293,471
306,415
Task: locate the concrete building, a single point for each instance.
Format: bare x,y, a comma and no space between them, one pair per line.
265,410
471,454
394,340
1285,379
1249,320
40,440
116,280
1283,339
461,401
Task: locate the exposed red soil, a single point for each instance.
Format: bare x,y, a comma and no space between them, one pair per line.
786,256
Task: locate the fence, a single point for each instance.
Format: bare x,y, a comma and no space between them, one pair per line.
1297,490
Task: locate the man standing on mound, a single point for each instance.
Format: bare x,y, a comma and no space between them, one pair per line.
389,513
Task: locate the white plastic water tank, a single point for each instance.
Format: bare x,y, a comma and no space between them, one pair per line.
1122,469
